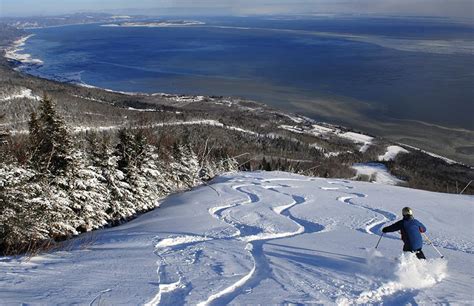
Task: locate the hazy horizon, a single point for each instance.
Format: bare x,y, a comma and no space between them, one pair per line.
430,8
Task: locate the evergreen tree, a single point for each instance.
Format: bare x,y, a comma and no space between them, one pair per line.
50,140
185,165
130,150
24,214
99,149
265,166
3,133
34,135
3,140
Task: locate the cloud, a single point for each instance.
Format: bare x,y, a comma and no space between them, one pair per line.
447,8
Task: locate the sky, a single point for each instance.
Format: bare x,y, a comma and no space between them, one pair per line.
444,8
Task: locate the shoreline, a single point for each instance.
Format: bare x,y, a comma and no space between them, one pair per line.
60,26
12,52
24,60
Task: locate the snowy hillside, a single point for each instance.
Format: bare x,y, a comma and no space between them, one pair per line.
267,238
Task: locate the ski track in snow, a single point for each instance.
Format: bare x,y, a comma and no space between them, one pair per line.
99,296
374,225
169,292
261,269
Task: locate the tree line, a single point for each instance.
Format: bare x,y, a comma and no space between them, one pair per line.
54,185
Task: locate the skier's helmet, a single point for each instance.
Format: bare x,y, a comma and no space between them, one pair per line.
406,211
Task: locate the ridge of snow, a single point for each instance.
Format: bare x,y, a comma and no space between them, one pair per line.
163,289
210,122
179,240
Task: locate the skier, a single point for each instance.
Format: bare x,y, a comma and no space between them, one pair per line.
410,229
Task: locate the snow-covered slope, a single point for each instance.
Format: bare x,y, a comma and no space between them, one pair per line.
377,173
261,238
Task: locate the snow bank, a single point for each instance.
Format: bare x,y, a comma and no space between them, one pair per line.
179,240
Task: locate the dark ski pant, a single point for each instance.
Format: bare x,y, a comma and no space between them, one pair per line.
419,254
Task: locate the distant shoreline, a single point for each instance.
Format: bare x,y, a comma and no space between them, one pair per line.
163,24
12,52
23,60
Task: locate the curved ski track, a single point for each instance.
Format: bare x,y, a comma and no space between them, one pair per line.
261,269
175,291
374,225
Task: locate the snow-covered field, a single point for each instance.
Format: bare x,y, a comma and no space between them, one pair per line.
21,93
318,130
377,172
392,152
261,238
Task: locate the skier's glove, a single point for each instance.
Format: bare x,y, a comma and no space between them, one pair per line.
384,230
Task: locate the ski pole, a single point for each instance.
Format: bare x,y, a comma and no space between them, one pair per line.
381,235
442,256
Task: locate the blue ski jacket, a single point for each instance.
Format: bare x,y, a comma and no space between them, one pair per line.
411,230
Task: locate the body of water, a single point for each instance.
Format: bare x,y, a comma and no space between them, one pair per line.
377,68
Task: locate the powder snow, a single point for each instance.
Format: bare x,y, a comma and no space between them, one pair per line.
261,238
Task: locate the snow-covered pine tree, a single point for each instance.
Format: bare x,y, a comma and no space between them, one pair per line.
124,150
185,166
123,174
89,194
24,213
50,140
